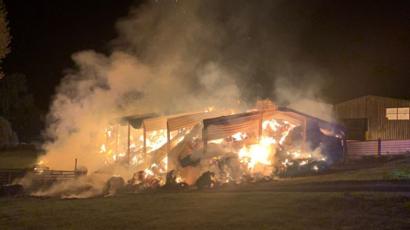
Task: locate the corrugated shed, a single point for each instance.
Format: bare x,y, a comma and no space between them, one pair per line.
373,109
380,126
351,109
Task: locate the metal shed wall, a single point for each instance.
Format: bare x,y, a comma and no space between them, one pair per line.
373,108
351,109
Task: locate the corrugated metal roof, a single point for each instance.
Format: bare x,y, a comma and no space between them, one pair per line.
220,127
134,120
155,123
373,97
190,120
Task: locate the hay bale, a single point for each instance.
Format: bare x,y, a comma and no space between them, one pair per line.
113,185
206,180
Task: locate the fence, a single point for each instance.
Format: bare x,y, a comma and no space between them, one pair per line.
7,176
357,149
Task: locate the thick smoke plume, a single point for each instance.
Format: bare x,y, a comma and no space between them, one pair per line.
308,101
169,57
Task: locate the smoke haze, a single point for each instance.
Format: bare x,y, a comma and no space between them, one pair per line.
177,56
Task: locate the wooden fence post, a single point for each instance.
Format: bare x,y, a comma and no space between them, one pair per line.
145,140
169,162
129,143
205,139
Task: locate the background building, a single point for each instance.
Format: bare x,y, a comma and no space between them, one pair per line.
373,117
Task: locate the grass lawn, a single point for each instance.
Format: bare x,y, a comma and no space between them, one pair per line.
202,210
367,169
221,210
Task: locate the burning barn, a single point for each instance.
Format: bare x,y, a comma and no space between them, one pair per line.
144,141
276,141
223,146
207,149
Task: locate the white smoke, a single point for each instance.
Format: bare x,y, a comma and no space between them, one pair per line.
306,98
161,70
169,57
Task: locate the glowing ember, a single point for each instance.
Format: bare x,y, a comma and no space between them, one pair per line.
257,153
270,152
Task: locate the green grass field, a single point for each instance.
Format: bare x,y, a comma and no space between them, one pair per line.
201,210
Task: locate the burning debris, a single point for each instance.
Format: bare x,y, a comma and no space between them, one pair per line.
207,150
154,69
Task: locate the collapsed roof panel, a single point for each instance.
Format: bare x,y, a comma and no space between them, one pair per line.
335,127
155,123
221,127
190,120
134,120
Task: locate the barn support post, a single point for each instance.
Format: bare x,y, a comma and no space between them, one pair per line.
75,164
304,135
205,139
260,127
379,147
129,143
144,130
106,137
168,147
117,137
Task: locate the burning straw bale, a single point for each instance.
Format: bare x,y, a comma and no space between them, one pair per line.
240,148
206,180
113,185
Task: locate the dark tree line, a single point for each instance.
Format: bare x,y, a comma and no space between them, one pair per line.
5,37
16,103
17,106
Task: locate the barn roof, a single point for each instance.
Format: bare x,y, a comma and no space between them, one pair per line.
134,120
374,97
152,121
321,123
220,127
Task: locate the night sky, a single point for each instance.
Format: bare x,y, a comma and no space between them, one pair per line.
363,46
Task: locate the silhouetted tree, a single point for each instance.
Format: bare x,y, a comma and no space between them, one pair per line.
17,106
5,36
